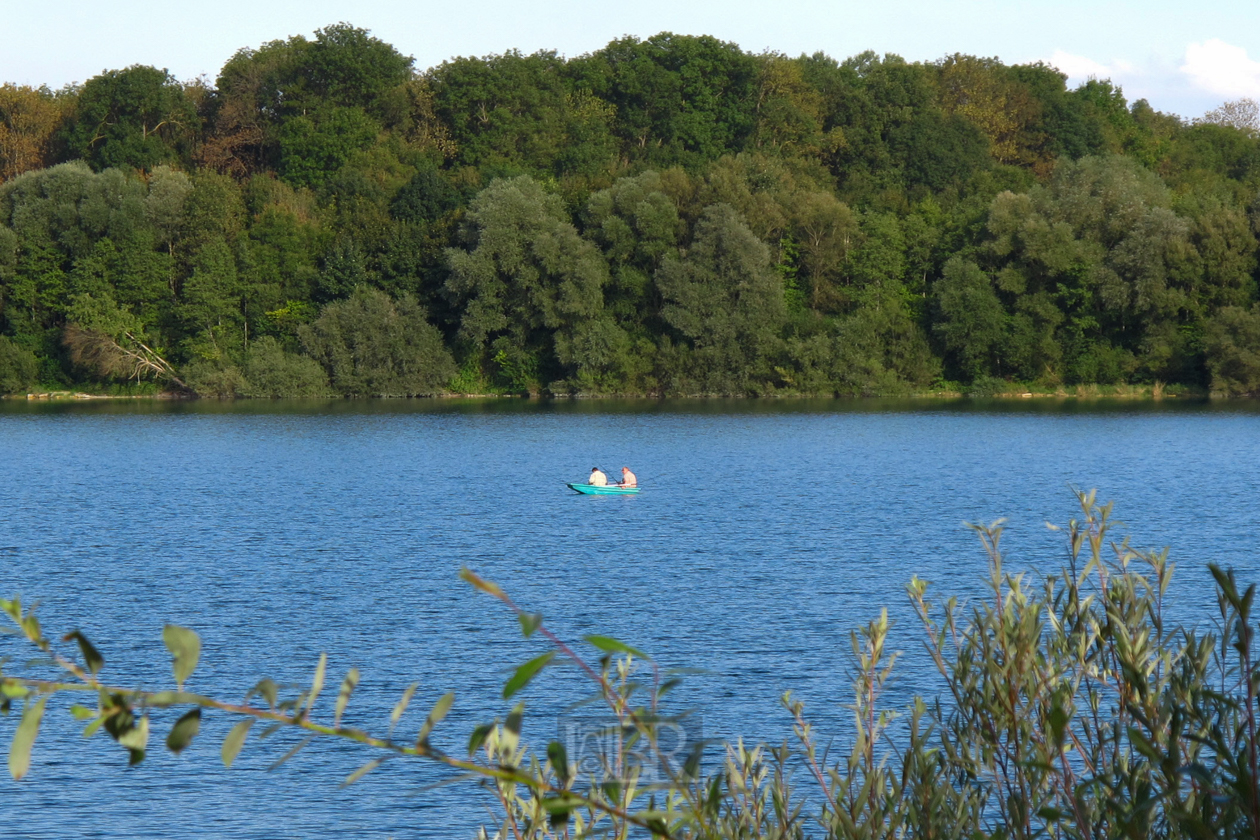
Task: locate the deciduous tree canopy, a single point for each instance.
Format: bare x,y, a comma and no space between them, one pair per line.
666,215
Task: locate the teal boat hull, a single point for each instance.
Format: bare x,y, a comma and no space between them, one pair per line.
604,490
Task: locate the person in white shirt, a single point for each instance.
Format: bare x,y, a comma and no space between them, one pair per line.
597,478
628,478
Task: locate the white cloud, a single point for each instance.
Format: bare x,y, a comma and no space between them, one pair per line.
1078,67
1223,69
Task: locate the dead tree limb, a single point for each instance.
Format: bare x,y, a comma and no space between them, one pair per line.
127,357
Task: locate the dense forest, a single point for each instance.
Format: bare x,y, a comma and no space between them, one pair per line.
662,216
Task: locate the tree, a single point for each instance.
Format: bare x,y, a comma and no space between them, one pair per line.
313,146
271,371
789,110
510,113
1099,257
340,88
982,92
372,345
880,350
210,303
138,117
28,120
1242,114
1233,350
971,321
678,98
1069,125
724,299
349,67
427,197
524,280
827,230
636,225
18,367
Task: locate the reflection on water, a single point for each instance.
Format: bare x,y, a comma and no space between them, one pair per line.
766,530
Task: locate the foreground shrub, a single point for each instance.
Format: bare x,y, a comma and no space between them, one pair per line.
1071,709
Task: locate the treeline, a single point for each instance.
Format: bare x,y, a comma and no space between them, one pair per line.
662,216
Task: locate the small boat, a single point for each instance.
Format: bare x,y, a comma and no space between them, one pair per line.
603,489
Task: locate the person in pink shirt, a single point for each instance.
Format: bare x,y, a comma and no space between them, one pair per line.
628,479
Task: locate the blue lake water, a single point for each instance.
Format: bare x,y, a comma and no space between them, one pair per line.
764,533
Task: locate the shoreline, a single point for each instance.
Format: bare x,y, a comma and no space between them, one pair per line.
1079,392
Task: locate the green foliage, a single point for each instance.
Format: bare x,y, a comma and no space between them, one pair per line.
880,350
211,378
427,197
345,65
725,300
527,282
271,371
513,112
1233,350
972,323
537,207
138,117
18,367
313,146
371,345
678,99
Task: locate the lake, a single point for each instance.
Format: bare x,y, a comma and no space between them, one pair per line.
765,532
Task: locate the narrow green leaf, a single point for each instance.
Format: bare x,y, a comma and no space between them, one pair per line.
691,767
234,741
136,738
163,699
184,730
439,711
297,749
317,684
82,712
343,696
667,686
267,689
609,645
13,689
185,647
529,622
513,721
559,758
91,656
401,706
30,626
362,771
1143,745
527,672
24,738
90,729
478,737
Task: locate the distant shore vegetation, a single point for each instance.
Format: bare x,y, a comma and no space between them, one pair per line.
669,216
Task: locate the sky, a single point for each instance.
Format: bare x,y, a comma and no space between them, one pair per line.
1184,58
